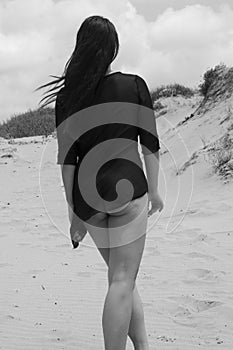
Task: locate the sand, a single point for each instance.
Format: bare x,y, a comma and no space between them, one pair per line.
52,296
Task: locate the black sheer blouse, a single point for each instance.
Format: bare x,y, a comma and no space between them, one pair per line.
128,95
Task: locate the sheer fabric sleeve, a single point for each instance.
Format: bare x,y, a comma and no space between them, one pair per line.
147,129
67,148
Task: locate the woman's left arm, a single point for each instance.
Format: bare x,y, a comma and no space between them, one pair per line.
77,228
67,171
67,158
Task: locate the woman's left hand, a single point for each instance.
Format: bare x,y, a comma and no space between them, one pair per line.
77,228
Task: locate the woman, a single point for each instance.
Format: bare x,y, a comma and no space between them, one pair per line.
117,226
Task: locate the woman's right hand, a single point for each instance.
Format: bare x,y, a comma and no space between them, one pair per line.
156,203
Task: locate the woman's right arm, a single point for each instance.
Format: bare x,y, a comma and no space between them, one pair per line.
152,171
149,143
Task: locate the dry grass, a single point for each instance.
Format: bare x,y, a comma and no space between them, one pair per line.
30,123
220,155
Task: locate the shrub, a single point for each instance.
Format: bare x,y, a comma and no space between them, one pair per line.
221,156
209,77
171,90
158,106
30,123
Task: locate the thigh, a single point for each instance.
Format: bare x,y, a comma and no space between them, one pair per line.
127,234
97,227
100,236
129,224
124,261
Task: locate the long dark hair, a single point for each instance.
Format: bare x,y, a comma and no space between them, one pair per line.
97,45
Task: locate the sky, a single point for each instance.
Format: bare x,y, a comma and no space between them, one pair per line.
164,41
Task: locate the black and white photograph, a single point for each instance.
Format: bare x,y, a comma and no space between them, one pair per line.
116,175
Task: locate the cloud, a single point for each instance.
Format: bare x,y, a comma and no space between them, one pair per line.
184,43
150,9
38,36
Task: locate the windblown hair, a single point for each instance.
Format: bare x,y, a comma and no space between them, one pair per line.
97,45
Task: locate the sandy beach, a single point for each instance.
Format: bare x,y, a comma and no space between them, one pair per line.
52,296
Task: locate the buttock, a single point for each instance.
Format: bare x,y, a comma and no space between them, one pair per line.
133,204
122,226
119,209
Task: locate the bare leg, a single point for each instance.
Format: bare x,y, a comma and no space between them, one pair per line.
123,311
137,329
124,263
117,314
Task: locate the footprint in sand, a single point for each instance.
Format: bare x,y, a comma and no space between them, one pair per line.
203,305
196,255
186,307
205,275
202,238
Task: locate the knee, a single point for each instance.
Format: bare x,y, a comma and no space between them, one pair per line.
123,276
123,282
